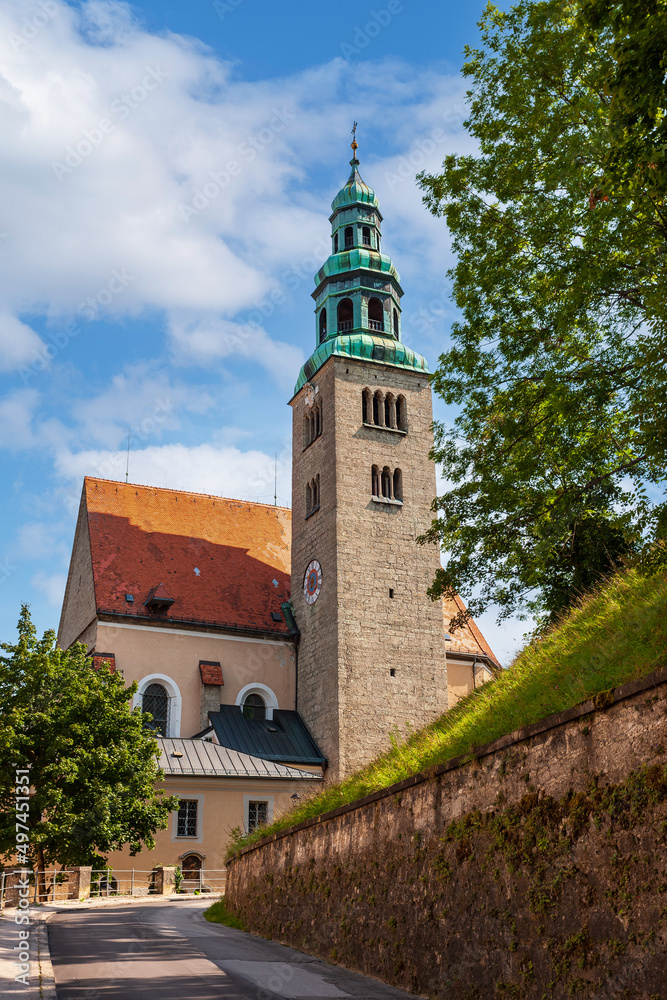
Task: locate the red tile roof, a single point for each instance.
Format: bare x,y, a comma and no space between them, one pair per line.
224,562
211,673
100,658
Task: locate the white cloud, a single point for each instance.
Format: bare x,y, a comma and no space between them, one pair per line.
207,468
203,339
17,411
140,174
139,399
52,585
19,344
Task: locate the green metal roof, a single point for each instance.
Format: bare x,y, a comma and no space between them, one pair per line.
354,191
350,260
366,347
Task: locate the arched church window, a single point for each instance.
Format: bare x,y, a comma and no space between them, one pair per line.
398,484
349,237
309,498
366,236
316,490
323,324
254,707
378,409
156,701
345,315
401,414
335,242
376,485
375,314
366,407
396,323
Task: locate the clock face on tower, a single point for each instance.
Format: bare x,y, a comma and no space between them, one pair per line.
312,582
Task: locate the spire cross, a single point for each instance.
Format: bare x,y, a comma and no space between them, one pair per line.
354,143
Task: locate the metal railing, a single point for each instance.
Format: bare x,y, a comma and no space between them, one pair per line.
55,885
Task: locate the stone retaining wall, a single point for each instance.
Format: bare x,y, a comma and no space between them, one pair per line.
536,869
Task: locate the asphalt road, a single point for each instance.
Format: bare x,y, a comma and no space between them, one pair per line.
168,951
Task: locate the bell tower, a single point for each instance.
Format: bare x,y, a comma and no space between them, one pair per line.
372,649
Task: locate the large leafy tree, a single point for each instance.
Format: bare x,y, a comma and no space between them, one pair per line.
559,223
92,759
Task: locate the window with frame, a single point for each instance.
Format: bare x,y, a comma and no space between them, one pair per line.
156,701
187,818
258,814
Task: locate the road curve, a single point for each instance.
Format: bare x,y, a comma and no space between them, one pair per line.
169,952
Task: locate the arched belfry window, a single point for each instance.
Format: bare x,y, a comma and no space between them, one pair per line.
366,236
401,414
396,323
345,315
387,485
378,409
349,237
312,424
156,701
367,406
335,245
323,325
375,314
389,410
254,707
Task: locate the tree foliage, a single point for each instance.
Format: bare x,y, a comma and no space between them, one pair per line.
93,763
556,462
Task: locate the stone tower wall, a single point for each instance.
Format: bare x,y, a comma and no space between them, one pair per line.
356,634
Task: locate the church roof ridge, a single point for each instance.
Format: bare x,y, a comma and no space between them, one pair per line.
193,493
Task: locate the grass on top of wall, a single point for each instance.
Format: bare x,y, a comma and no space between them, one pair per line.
616,634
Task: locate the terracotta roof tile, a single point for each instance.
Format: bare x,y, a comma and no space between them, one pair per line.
224,562
211,673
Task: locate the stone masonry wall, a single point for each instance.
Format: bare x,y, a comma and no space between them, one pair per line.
368,661
537,868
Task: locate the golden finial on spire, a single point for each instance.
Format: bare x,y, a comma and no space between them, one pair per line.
354,144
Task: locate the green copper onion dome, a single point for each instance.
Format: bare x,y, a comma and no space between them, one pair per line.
355,191
357,289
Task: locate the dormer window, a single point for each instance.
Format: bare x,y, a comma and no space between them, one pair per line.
159,599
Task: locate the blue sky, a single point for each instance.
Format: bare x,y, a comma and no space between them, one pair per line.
167,172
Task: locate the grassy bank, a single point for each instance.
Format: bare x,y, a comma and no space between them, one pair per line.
218,913
615,635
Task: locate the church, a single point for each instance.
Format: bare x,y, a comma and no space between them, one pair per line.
276,649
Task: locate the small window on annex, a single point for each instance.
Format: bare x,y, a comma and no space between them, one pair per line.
156,701
258,814
254,707
187,818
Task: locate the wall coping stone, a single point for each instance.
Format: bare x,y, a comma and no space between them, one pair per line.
602,701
